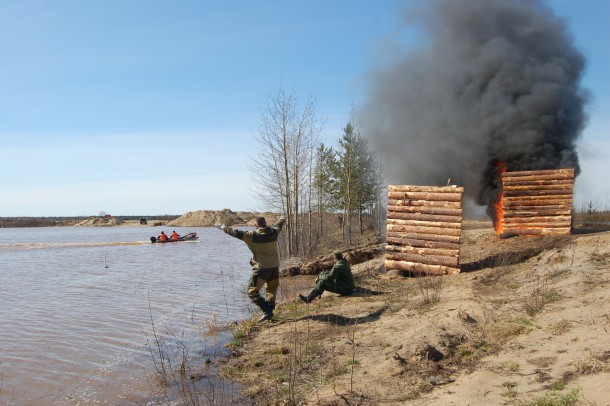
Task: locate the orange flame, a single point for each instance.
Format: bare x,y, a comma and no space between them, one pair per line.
499,204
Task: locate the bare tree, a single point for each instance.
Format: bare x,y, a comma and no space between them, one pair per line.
287,135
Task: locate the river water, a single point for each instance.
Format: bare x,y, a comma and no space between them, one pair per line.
86,312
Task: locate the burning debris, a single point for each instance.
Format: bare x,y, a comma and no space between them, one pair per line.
494,81
424,228
535,203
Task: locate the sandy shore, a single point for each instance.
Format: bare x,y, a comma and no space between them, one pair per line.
526,322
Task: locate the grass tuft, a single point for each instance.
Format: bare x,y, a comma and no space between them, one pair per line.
556,399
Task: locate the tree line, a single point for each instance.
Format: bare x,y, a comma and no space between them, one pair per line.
298,175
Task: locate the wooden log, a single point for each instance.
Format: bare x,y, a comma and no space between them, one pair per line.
564,198
528,221
424,203
424,217
542,172
538,231
416,242
519,187
535,205
417,268
527,178
547,219
425,189
425,210
537,193
424,230
422,251
423,259
443,197
425,237
531,207
540,201
538,225
541,212
509,182
417,223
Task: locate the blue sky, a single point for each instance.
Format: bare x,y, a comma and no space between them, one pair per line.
151,107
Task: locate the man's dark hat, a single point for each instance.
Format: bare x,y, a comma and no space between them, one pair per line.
338,254
260,221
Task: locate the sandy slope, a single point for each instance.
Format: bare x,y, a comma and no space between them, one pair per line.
529,318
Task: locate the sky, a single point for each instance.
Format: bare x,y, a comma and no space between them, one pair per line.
150,107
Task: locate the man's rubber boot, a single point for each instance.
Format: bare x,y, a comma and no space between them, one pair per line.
310,297
265,317
267,309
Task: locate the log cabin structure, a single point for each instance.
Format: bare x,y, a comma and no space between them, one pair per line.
424,226
536,203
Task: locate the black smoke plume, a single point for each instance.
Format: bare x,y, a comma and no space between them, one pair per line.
491,81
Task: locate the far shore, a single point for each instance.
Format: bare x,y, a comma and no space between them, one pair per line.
19,222
199,218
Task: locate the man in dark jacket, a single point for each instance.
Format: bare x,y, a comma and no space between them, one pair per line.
265,262
338,280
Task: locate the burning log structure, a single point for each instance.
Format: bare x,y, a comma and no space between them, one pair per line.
536,203
423,229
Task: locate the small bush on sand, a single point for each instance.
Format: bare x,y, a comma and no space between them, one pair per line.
430,288
595,363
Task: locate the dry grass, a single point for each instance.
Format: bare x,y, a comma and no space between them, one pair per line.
430,288
600,260
594,363
556,399
561,327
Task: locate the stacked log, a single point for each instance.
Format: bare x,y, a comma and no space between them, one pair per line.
423,229
537,202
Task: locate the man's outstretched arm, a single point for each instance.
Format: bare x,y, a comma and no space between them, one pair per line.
233,232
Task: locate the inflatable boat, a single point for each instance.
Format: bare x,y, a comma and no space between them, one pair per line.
187,237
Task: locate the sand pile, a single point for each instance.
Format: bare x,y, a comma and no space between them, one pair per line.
207,218
99,222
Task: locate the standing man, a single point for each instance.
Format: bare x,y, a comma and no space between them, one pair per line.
265,262
338,280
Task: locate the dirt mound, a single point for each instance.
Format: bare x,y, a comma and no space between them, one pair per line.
207,218
99,222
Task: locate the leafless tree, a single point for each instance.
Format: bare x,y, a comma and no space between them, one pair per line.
287,135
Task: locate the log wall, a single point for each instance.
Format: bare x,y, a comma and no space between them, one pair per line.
537,202
424,229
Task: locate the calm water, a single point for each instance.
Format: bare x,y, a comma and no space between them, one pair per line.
76,307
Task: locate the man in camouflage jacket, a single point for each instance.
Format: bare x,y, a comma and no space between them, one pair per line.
338,280
265,262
